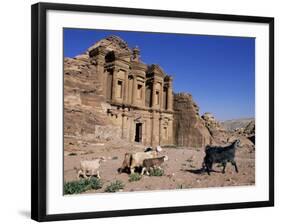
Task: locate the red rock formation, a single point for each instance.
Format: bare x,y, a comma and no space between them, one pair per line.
84,106
189,128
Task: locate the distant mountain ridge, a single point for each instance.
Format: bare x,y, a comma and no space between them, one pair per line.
233,124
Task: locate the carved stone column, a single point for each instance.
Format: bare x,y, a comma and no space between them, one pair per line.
114,83
170,97
102,78
153,127
170,132
161,97
143,94
134,89
160,129
126,89
153,92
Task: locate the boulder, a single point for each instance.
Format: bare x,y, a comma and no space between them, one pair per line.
218,133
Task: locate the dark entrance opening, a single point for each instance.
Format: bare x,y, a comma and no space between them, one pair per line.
138,135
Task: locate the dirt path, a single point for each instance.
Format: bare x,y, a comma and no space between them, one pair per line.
182,170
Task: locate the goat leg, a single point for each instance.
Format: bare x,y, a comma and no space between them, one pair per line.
203,166
98,174
208,171
208,167
234,164
142,170
224,165
84,174
148,172
78,174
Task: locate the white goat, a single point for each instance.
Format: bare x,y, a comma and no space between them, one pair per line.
138,157
90,168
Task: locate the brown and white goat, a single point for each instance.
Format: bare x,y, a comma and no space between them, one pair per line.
152,163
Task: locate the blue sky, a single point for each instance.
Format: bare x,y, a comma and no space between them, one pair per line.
218,71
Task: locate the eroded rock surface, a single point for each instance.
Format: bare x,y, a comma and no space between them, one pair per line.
84,106
189,128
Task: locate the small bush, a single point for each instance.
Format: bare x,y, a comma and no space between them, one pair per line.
156,172
76,187
115,186
134,177
95,183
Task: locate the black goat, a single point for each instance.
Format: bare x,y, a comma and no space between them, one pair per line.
220,154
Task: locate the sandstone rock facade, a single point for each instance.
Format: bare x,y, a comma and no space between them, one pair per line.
189,128
84,105
140,95
109,88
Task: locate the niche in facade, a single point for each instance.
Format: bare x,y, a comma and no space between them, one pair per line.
148,96
109,85
157,98
165,90
119,92
139,91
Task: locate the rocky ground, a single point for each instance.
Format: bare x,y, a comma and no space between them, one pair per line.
182,170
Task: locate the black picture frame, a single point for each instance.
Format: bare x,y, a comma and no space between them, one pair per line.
39,108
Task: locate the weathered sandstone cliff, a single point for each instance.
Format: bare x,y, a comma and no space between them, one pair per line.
189,128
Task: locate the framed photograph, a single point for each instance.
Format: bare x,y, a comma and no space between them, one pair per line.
140,111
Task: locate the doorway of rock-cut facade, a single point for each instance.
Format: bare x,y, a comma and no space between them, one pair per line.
138,132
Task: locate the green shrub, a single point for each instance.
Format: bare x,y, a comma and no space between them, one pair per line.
94,183
115,186
134,177
76,187
156,172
